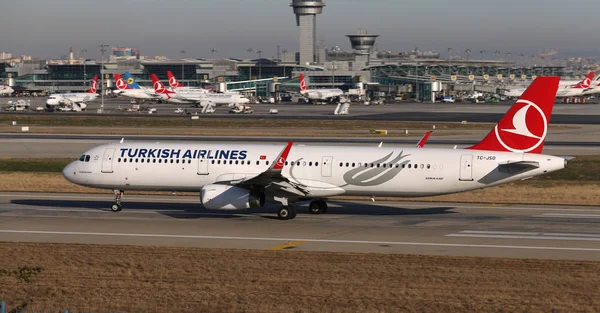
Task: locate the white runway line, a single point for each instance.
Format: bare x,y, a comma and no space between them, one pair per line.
557,215
430,244
526,235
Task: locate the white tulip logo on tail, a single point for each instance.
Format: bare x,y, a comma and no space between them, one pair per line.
121,84
93,88
173,81
528,129
158,87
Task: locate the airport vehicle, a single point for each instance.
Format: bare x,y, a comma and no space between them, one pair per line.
76,100
576,90
240,176
318,95
198,97
125,89
448,99
6,90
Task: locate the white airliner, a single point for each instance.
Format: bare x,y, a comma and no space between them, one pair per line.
567,90
6,90
78,98
196,96
318,95
240,176
174,84
123,89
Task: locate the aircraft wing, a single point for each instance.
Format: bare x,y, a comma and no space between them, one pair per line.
271,179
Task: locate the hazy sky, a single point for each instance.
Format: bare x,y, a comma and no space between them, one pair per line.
47,28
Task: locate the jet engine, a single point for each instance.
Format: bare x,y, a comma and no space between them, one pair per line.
226,197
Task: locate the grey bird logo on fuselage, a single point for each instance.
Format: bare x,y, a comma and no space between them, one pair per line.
372,174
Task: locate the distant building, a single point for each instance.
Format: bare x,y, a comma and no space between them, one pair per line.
123,53
5,55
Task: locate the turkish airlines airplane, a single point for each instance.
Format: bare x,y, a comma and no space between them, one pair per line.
6,90
196,96
125,89
315,95
241,176
78,98
576,90
174,84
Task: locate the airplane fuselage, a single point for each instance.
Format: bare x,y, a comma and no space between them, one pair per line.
80,97
324,171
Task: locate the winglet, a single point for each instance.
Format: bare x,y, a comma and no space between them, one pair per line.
282,157
122,140
423,140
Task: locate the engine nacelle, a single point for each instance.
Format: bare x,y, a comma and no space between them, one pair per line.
225,197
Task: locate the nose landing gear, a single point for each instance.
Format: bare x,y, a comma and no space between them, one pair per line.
117,207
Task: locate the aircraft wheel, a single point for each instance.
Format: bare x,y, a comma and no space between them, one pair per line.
315,207
323,206
116,207
284,213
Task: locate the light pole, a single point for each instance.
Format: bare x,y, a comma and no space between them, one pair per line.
83,52
482,54
284,51
250,50
102,50
468,52
450,50
182,52
259,63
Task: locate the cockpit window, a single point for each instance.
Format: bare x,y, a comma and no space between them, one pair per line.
82,158
87,158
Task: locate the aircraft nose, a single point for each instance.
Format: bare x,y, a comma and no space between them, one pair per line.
69,172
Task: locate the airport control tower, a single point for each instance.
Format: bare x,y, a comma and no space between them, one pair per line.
306,17
362,44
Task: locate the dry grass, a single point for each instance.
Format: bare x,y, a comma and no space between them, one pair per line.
165,279
528,192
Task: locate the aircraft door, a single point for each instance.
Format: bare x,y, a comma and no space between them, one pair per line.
326,164
202,166
107,161
466,167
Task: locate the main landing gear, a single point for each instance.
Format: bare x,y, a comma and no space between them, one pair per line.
317,207
287,212
116,207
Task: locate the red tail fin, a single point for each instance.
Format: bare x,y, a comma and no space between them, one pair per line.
173,81
524,127
586,82
94,86
120,82
302,83
158,86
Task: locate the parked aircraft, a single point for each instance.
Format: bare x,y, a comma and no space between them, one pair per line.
196,96
78,99
6,90
317,95
125,89
174,84
241,176
576,90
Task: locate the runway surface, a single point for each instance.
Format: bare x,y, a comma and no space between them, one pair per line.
404,111
516,231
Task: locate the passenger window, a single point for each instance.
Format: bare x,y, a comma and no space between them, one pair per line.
303,163
236,162
137,160
316,163
230,162
248,162
403,165
353,164
153,160
428,166
142,160
286,162
119,160
267,162
159,160
212,162
257,162
171,161
309,163
409,166
341,164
